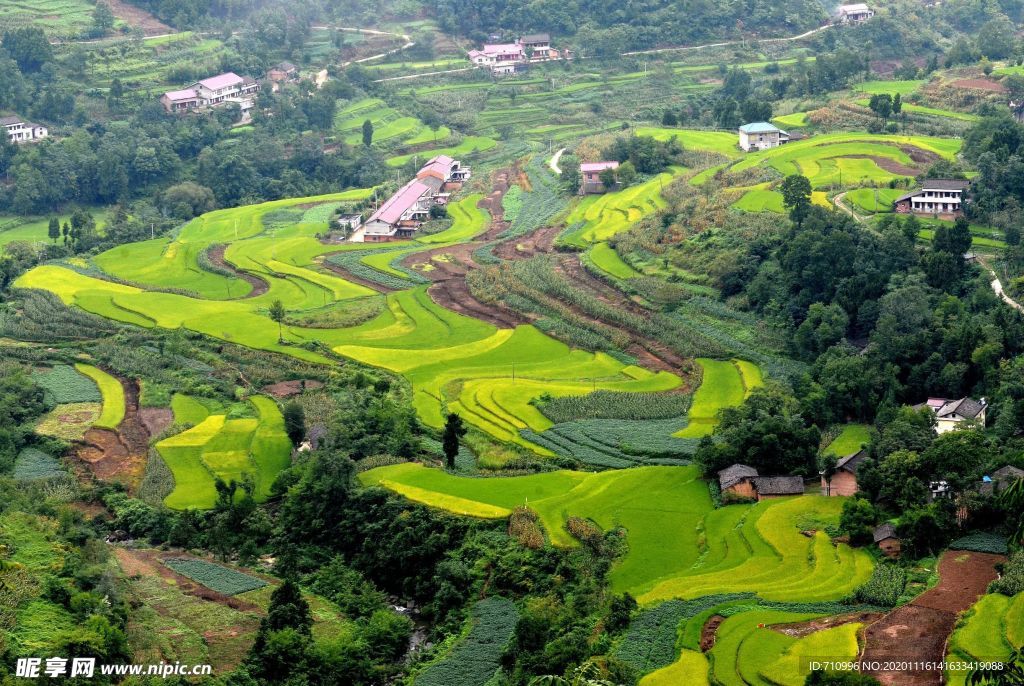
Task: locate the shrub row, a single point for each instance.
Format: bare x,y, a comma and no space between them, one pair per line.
611,405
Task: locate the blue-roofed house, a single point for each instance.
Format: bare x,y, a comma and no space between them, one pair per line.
761,135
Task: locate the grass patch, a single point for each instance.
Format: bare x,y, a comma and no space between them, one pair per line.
849,440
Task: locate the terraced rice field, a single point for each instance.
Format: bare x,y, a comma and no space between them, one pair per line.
229,449
989,631
874,200
757,548
112,393
469,144
749,651
760,200
63,18
904,88
390,127
455,363
599,217
604,257
726,383
795,120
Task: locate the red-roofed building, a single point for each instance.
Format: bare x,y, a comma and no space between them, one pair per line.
400,215
507,58
591,173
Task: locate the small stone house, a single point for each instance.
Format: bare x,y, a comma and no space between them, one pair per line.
736,480
844,481
767,487
886,539
857,13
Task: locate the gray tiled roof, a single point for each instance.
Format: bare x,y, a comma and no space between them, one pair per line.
778,485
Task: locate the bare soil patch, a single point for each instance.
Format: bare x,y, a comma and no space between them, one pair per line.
136,16
259,286
979,84
709,632
118,455
148,562
919,631
287,389
888,164
799,629
920,155
455,295
156,419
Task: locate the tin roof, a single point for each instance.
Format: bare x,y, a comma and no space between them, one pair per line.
221,81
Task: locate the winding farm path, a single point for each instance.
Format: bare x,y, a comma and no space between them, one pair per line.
840,202
919,631
553,163
654,51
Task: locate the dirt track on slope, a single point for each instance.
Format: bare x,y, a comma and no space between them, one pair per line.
918,632
259,286
118,455
138,17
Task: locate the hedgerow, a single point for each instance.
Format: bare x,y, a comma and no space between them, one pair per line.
63,384
1012,581
32,464
540,204
350,261
215,577
612,405
981,542
475,659
884,587
650,642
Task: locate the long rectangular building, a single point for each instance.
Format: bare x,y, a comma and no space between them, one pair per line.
400,215
216,90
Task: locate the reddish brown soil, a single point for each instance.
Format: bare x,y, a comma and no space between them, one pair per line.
919,631
919,155
259,286
889,165
156,419
799,629
524,247
454,294
118,455
709,632
148,562
136,16
979,84
286,389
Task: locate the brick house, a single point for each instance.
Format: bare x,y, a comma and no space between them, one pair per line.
736,480
283,71
943,198
844,481
768,487
887,540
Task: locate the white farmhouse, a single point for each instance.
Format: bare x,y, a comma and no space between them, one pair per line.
761,135
20,131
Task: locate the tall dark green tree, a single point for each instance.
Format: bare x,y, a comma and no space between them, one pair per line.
367,133
453,431
277,313
796,196
53,231
294,422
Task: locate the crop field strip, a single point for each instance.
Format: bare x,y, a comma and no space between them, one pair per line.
432,346
744,548
990,630
112,395
225,448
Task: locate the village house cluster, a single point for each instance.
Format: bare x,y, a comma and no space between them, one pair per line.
400,215
508,58
226,88
20,131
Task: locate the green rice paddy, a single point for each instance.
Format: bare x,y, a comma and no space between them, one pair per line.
604,257
725,384
988,632
874,200
849,440
228,449
113,396
904,88
757,548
